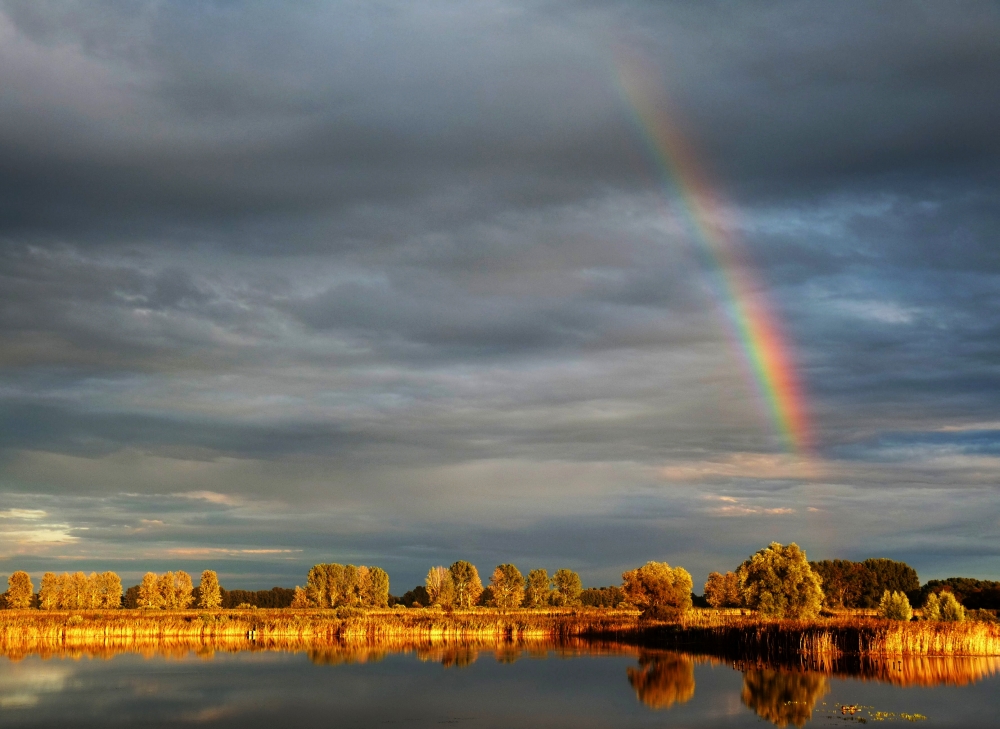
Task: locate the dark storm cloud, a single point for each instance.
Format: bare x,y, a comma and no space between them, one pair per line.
387,282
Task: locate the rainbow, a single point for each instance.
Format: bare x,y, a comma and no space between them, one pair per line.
753,326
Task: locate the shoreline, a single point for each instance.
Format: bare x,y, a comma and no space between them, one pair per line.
725,635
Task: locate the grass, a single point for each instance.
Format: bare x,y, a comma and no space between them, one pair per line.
727,634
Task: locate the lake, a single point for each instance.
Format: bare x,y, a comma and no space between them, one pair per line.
544,686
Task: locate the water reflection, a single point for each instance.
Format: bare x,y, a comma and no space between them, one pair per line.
663,680
783,697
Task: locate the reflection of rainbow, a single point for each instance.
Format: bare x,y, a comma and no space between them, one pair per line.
753,325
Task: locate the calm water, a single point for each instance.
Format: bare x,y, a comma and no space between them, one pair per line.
543,688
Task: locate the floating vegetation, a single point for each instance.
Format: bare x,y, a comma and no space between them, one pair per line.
864,714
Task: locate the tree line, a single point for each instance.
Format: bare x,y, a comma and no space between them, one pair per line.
776,581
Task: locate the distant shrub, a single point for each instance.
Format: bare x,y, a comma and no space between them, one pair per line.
894,606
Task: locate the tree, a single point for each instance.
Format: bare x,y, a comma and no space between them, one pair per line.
894,606
862,584
943,606
778,582
209,596
377,591
19,590
109,589
301,599
440,587
536,588
316,586
468,586
48,592
150,596
659,589
182,590
722,590
568,588
507,586
603,597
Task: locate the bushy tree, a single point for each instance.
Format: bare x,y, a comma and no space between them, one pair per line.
150,596
568,588
109,589
603,597
301,598
778,582
894,606
507,586
722,590
440,587
377,588
945,607
658,588
19,590
48,592
537,587
468,586
209,594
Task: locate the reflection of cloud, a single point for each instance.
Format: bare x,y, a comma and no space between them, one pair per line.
22,685
663,681
782,697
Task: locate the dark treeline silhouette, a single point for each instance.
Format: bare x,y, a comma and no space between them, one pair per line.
861,584
971,593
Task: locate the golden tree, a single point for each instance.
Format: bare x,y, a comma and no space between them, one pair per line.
537,588
440,587
110,590
209,593
300,599
659,588
377,590
507,586
48,592
150,596
722,590
468,586
568,588
778,582
19,590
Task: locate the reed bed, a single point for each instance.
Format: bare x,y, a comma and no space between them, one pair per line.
731,634
780,640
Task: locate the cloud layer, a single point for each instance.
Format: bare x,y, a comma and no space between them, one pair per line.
398,284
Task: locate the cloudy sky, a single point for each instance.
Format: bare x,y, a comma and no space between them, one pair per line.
401,283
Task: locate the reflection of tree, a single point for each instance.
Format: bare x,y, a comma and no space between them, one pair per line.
664,680
782,697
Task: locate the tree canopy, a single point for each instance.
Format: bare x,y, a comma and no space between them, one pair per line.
778,582
656,587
